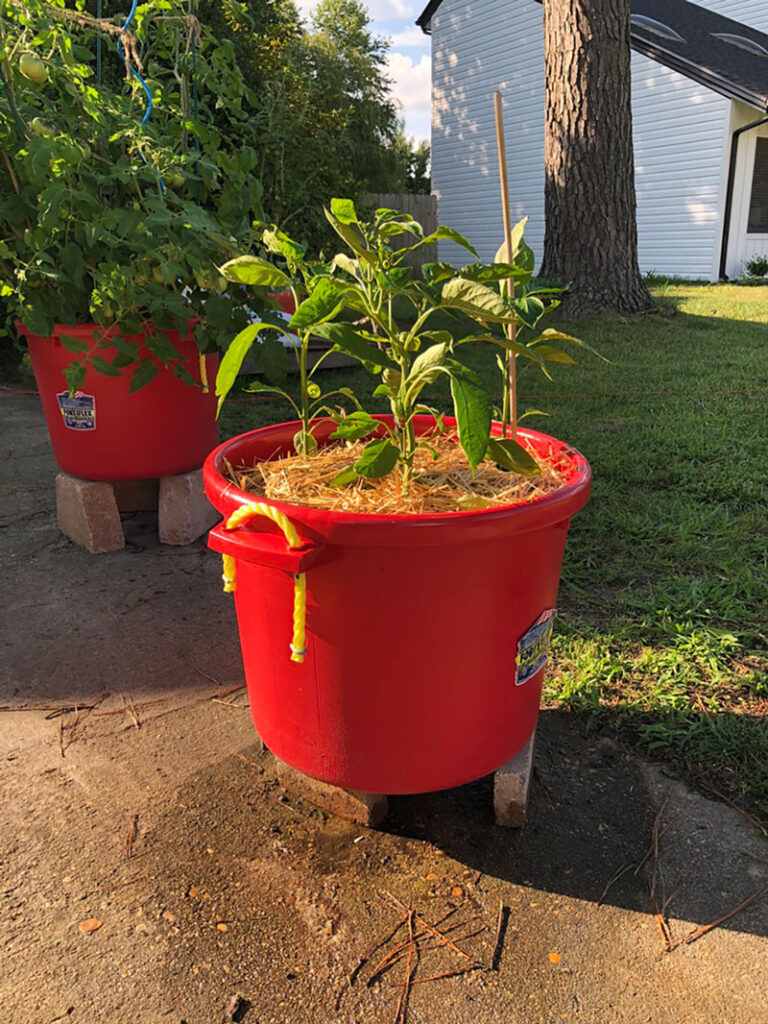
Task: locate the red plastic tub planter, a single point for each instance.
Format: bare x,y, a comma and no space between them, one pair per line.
106,429
395,653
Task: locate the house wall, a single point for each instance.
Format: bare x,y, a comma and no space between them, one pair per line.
681,133
479,46
742,246
749,12
681,142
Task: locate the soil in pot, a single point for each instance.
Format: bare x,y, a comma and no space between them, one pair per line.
442,481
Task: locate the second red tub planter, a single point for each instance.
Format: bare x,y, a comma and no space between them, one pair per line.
105,432
425,634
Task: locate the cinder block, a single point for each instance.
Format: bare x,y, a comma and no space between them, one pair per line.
136,495
87,513
511,785
368,809
184,512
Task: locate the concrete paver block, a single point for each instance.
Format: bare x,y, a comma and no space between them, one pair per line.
368,809
87,513
511,785
184,512
136,495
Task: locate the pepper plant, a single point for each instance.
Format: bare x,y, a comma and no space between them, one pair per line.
110,215
368,303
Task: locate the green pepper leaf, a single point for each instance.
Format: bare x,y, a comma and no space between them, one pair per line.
475,299
553,355
323,304
473,411
428,364
509,454
345,337
378,458
233,358
346,476
355,426
278,242
450,235
553,335
344,211
350,236
254,271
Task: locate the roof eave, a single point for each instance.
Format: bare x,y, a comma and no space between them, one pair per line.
676,62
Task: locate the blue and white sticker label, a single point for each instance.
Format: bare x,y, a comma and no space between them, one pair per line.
533,647
78,410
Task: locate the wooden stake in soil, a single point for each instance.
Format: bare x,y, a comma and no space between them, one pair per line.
511,329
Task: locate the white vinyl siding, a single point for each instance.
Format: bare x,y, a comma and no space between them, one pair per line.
681,134
477,47
681,139
748,12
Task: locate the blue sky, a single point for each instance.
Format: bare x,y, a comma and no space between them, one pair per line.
409,57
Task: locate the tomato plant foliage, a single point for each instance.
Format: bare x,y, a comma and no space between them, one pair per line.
106,219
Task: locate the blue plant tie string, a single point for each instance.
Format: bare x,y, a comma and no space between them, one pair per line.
145,87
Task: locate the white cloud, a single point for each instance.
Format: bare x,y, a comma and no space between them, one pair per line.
411,85
409,37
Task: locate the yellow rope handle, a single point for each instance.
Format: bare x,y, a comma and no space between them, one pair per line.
242,515
203,374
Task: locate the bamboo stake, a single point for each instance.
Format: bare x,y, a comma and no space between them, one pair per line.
511,328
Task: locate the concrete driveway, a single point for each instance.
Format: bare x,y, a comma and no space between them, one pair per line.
153,870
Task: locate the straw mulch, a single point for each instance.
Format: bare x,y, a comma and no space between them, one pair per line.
444,484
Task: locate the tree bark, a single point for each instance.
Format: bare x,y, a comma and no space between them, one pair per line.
591,229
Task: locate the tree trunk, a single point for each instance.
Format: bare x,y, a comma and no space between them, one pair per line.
590,207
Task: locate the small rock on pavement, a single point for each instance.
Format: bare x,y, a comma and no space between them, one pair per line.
92,924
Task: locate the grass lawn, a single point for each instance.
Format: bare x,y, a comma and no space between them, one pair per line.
664,598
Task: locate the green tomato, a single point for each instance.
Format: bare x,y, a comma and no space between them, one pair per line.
221,283
175,180
313,390
203,280
33,68
39,127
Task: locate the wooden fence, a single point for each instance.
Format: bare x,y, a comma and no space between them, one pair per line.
422,208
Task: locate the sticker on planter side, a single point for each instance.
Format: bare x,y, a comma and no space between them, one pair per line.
78,410
533,647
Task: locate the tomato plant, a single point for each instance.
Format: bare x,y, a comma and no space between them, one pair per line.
109,216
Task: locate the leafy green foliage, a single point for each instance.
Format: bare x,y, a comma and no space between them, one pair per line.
324,119
108,221
406,351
